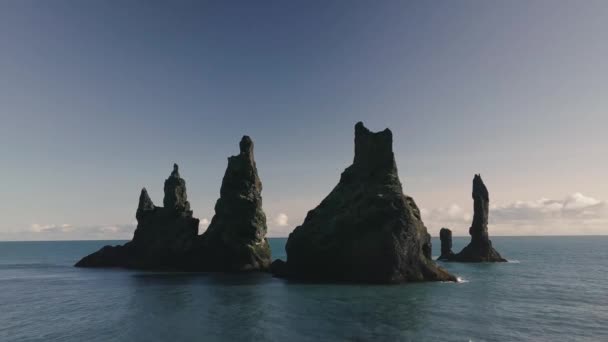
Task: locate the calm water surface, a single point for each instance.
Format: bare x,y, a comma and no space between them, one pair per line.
555,289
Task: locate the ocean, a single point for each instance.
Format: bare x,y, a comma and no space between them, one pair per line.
553,289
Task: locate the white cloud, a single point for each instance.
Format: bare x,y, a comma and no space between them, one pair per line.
573,209
571,215
41,228
65,231
446,216
281,220
204,222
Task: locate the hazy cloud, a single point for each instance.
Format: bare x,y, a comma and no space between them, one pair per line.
203,223
281,220
41,228
573,214
279,226
65,231
452,213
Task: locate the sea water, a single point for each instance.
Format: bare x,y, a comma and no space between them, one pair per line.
553,289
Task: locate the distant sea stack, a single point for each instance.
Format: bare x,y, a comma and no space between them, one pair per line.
236,238
167,237
366,230
480,248
445,235
164,235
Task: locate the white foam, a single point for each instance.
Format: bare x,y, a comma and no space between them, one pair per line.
461,280
513,261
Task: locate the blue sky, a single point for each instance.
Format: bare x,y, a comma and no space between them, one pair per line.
99,98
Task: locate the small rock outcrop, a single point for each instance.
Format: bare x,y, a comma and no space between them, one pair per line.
480,248
163,238
366,230
236,237
445,235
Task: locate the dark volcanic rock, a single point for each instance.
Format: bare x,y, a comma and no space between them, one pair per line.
236,237
164,236
445,235
175,192
480,248
366,229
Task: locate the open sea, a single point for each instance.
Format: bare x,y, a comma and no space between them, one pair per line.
553,289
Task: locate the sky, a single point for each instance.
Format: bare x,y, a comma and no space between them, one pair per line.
99,98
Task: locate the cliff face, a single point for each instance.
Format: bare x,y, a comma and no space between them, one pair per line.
235,239
164,235
366,229
480,248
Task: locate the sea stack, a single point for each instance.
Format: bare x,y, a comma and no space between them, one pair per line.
480,248
164,235
167,237
236,237
445,235
366,230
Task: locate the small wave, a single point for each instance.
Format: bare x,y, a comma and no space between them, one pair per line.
513,261
461,280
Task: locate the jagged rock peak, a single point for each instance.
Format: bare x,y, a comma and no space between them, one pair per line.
246,145
175,172
164,237
236,237
479,189
175,192
365,230
145,202
241,172
373,149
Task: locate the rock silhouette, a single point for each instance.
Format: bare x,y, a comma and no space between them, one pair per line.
164,235
480,248
167,237
175,192
445,235
235,239
366,230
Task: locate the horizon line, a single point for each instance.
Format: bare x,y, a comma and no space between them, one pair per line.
285,237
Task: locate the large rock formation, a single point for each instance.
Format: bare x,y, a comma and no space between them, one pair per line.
164,235
480,248
445,235
235,239
366,229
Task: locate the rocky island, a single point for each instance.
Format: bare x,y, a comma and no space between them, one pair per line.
236,237
480,248
366,230
166,238
445,235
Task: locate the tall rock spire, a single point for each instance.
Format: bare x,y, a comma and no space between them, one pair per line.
236,237
366,230
480,249
481,204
